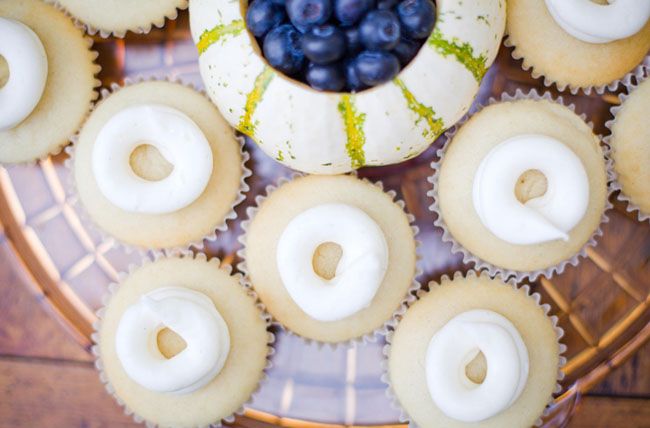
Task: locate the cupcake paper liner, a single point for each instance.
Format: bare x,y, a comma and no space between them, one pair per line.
95,349
615,185
636,72
546,308
89,29
371,336
469,257
198,244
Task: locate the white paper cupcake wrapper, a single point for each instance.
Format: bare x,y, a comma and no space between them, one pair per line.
546,308
371,336
159,22
97,83
480,264
615,184
548,82
199,244
95,349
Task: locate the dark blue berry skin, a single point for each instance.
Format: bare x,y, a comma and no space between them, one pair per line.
406,50
348,12
329,77
262,15
324,44
374,68
386,4
282,49
353,40
417,17
280,2
352,77
380,30
306,13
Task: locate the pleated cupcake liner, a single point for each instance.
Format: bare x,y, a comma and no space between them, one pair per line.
158,22
480,264
446,281
97,83
181,254
615,184
371,336
199,243
636,72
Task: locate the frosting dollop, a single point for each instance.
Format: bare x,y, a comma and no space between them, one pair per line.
455,345
598,23
191,315
27,62
359,272
178,139
541,219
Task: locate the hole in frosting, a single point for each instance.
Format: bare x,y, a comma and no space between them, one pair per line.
170,343
530,185
476,370
326,259
4,71
148,163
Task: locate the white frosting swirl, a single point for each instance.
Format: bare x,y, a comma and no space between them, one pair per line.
359,272
597,23
455,345
191,315
545,218
27,62
180,141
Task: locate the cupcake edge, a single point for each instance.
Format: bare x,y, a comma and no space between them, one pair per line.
409,297
480,264
615,185
180,254
87,220
447,280
159,22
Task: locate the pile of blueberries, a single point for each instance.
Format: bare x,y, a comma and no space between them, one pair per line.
340,45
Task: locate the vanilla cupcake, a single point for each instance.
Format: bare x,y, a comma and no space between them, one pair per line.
156,166
47,80
580,43
630,145
116,17
475,351
331,257
181,343
521,188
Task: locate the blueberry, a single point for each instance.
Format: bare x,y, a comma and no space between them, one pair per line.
417,17
329,77
380,30
386,4
406,50
262,15
324,44
282,49
352,77
305,13
374,68
349,12
280,2
353,39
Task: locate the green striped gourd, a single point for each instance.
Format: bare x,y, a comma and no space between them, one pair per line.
330,133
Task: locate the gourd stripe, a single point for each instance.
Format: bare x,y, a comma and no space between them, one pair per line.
262,81
353,123
464,53
436,125
219,32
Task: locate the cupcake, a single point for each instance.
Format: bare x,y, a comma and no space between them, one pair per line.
116,17
630,145
156,166
475,351
522,186
580,44
181,343
47,80
331,257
